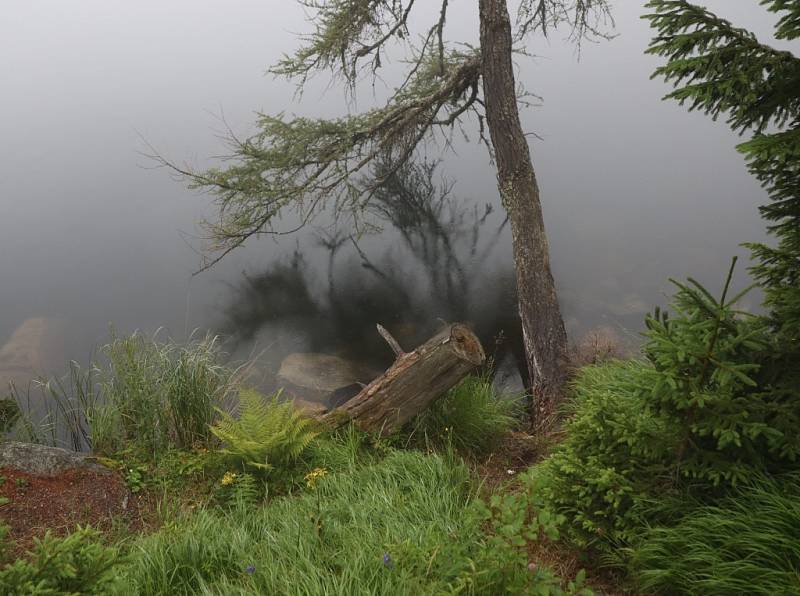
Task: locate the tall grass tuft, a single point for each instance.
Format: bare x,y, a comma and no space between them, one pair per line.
143,393
61,411
164,393
133,392
196,383
749,543
472,418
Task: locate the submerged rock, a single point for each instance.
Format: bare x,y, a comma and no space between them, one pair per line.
45,461
322,373
597,345
35,346
310,408
342,395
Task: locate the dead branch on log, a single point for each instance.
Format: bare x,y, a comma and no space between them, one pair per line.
393,343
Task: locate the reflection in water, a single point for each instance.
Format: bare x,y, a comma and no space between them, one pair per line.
36,346
436,270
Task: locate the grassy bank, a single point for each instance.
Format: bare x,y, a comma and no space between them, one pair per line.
266,501
647,490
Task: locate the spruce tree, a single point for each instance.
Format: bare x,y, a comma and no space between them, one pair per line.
725,70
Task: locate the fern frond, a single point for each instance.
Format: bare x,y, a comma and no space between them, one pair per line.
268,432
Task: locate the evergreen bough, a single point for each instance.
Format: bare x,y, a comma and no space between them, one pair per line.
721,69
707,384
718,401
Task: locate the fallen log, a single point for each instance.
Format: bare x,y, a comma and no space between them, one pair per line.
413,382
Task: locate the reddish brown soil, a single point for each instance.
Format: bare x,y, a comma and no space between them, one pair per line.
59,503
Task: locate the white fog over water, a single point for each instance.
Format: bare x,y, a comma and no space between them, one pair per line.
635,190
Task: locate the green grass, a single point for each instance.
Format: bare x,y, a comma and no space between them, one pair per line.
472,418
350,514
749,543
330,540
143,393
164,393
405,524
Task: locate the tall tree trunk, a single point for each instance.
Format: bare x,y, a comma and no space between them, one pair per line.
542,326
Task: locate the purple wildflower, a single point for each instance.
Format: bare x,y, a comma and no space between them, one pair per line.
387,561
251,569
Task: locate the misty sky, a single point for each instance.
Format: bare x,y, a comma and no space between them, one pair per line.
633,187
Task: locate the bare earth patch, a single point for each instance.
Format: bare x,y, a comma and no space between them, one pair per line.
60,502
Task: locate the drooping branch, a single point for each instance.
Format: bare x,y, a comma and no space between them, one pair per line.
719,68
304,163
585,18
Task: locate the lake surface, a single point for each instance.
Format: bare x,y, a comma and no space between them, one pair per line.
634,190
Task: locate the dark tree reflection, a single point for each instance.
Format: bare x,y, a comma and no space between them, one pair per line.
433,262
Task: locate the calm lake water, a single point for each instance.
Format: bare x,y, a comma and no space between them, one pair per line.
634,189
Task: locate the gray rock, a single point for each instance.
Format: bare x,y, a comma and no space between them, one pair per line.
322,372
45,461
309,408
341,395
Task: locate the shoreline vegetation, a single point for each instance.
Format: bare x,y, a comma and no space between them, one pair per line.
462,500
674,471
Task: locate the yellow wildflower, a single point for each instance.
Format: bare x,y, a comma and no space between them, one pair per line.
228,479
314,475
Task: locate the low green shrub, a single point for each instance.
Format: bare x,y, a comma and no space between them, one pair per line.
696,418
75,564
471,417
614,455
748,543
711,381
512,525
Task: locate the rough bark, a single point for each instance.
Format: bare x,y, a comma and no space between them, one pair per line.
543,330
413,382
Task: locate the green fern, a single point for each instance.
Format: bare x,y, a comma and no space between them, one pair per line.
268,433
245,491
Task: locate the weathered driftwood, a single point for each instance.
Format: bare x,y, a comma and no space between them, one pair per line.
414,381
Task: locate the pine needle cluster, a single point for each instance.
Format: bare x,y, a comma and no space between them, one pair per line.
721,69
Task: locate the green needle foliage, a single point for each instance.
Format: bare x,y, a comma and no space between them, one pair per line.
722,69
305,165
75,564
705,383
695,418
268,433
